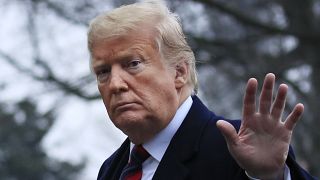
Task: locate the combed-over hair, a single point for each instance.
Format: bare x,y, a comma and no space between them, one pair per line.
170,39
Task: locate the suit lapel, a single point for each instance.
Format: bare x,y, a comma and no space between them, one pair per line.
184,144
119,161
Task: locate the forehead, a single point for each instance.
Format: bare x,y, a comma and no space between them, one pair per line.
135,43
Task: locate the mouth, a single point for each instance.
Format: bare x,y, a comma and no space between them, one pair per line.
124,106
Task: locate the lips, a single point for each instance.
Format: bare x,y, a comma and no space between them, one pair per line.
124,106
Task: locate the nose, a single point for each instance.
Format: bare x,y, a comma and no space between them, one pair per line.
117,83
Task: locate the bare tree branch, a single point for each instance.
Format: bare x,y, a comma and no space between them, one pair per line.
253,22
50,77
60,12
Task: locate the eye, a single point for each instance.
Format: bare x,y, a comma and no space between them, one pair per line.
134,63
102,74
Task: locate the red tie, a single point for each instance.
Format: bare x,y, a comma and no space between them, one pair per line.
133,170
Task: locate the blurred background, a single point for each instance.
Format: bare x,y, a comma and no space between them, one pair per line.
53,124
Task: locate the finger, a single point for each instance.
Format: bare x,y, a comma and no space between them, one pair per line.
294,116
266,94
249,101
279,102
228,131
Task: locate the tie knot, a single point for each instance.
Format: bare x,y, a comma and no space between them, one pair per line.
139,154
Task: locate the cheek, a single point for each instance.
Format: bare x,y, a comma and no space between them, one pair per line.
100,88
159,99
104,96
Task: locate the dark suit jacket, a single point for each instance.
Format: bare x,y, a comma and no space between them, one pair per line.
197,151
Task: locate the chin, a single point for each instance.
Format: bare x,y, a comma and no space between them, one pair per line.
128,122
130,116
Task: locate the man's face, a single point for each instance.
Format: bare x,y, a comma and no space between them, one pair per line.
137,86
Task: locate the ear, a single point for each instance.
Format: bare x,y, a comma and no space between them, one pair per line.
182,73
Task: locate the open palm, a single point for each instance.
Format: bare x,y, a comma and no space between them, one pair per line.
261,146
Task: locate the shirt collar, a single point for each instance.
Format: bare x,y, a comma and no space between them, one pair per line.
158,145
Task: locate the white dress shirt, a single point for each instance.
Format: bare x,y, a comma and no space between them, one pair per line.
158,145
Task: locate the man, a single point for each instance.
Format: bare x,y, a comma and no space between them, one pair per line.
147,79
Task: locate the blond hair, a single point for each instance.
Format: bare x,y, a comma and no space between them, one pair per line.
170,39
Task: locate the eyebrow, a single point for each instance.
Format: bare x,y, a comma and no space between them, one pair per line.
132,52
99,64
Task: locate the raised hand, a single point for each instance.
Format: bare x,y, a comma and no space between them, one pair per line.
261,146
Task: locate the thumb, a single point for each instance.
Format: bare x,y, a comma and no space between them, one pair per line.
228,131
